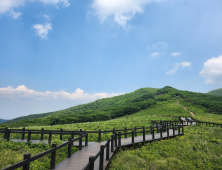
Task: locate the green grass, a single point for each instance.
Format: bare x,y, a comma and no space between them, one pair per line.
12,152
121,123
199,148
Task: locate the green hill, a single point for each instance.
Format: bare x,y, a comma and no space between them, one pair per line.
2,120
102,109
217,92
127,104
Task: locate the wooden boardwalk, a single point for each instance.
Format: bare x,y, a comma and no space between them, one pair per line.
80,158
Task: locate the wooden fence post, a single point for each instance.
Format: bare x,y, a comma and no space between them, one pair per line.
101,158
182,130
61,133
112,143
26,156
50,137
107,151
86,139
168,132
42,131
23,133
119,139
173,131
152,130
125,132
115,139
91,161
69,148
53,157
80,142
161,133
6,133
132,137
144,134
135,131
99,140
29,135
72,135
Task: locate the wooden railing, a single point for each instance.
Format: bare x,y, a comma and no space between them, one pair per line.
28,159
116,140
7,132
207,123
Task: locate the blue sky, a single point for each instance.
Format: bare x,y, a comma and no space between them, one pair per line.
55,54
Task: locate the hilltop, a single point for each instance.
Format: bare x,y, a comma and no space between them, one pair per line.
217,92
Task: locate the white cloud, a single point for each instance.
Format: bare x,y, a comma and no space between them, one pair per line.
121,10
46,16
177,66
55,2
23,92
159,45
42,30
9,5
185,64
155,54
212,71
15,15
175,54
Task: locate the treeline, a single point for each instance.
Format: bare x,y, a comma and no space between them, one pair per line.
217,92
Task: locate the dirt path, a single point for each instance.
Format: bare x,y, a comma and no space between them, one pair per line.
185,108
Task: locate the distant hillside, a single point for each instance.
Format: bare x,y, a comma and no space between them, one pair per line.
28,117
101,109
126,104
217,92
2,120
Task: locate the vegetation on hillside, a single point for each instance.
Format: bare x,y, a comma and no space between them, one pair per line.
12,152
217,92
178,153
102,109
199,148
127,104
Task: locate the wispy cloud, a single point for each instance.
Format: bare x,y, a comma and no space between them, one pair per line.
155,54
121,10
175,54
9,5
23,92
177,66
42,30
46,17
158,46
212,71
14,14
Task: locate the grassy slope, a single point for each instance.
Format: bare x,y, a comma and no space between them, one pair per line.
143,118
217,92
199,148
